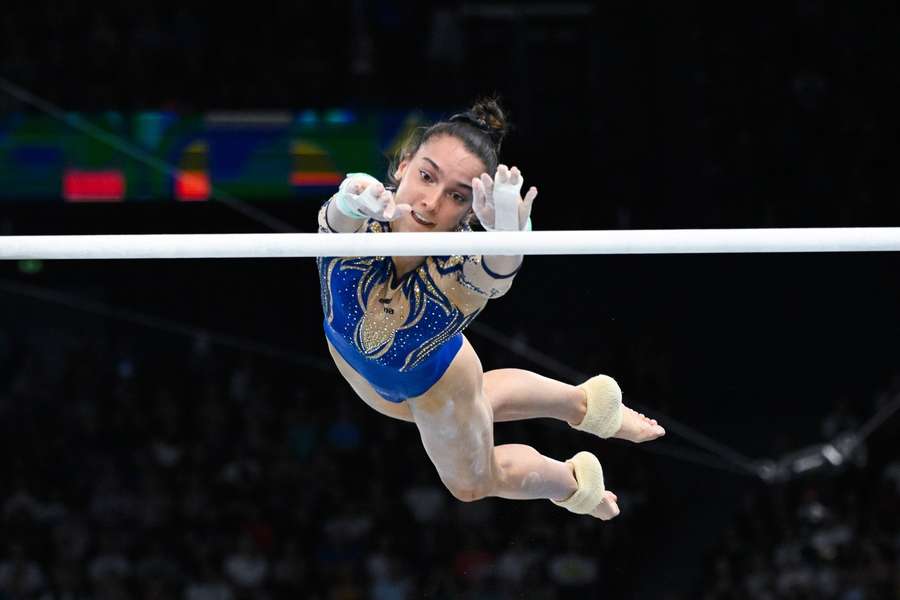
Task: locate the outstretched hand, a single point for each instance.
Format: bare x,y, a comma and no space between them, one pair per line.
361,196
498,203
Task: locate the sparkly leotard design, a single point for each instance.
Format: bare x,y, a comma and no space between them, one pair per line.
400,334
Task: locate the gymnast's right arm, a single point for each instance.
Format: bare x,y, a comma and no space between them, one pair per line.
360,197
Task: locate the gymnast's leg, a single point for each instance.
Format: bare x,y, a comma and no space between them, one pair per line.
455,422
517,394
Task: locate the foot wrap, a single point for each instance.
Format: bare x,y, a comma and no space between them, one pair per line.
589,475
604,406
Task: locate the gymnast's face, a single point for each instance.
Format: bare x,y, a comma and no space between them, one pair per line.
437,182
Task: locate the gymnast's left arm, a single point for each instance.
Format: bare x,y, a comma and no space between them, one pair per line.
499,206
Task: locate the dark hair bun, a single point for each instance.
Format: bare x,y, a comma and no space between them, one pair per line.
488,111
487,116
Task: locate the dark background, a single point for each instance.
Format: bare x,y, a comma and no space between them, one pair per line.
626,116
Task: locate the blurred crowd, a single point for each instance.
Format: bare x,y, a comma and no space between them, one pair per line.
832,535
208,474
149,466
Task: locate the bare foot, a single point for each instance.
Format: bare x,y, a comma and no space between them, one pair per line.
638,428
608,507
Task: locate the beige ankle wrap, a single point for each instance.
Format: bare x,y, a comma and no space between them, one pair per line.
589,475
604,406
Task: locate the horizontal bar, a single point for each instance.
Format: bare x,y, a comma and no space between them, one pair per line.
273,245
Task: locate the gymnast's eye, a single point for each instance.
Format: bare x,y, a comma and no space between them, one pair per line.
459,197
425,175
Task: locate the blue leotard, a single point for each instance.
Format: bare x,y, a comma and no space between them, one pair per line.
400,334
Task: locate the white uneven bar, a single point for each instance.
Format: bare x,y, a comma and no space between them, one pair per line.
274,245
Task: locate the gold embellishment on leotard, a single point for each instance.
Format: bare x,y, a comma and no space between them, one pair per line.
435,282
459,307
375,332
435,293
327,302
343,264
418,355
454,261
377,329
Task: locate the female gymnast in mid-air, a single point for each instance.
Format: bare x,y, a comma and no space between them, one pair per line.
394,324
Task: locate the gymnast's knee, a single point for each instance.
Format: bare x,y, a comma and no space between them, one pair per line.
469,489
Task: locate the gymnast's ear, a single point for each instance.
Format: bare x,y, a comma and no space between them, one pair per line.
401,168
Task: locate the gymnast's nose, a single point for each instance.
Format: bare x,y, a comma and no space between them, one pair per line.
430,199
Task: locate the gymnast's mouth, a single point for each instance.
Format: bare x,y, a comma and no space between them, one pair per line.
420,220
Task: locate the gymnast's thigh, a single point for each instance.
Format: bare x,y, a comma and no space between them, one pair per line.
363,389
455,422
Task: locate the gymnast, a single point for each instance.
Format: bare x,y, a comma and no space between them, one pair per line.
394,324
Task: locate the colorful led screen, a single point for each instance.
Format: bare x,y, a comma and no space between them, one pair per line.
113,157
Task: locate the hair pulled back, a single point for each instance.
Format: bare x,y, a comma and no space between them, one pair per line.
481,129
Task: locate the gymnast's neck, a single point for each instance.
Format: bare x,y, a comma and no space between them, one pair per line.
406,264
